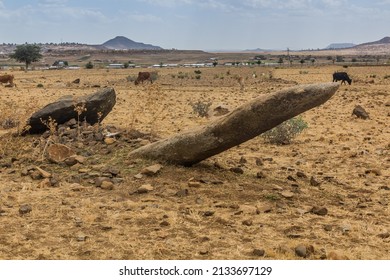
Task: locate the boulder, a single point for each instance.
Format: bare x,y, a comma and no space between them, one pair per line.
238,126
359,112
96,108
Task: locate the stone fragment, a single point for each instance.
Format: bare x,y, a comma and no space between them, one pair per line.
321,211
360,112
151,170
24,209
145,188
57,153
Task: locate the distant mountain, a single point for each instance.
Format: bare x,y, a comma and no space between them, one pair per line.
385,40
340,46
123,43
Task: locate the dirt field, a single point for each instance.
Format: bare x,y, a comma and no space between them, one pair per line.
325,196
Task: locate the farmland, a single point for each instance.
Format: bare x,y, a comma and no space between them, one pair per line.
328,191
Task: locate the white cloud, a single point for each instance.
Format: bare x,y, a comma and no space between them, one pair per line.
144,18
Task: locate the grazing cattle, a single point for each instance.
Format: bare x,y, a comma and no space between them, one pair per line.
4,79
143,76
341,76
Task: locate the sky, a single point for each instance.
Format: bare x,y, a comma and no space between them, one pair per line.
197,24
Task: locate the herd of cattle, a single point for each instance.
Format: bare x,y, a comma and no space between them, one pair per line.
147,76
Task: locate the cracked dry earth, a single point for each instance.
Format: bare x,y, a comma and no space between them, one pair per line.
324,196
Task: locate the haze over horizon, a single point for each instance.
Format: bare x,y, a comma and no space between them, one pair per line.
197,24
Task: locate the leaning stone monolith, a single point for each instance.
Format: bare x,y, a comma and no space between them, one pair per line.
240,125
96,107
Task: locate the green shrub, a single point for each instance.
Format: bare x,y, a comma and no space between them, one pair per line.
201,108
89,65
285,132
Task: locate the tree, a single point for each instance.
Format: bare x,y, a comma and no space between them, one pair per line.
27,53
89,65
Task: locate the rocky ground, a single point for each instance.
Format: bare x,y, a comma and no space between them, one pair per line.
324,196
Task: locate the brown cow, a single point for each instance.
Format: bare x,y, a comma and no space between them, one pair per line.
143,76
4,79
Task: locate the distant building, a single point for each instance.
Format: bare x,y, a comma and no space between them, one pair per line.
115,66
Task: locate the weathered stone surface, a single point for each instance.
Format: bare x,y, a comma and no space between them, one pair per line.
97,107
57,153
238,126
359,112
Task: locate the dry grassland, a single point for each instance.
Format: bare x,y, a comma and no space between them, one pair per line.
340,166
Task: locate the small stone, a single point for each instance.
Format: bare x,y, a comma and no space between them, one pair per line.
109,141
287,194
45,183
24,209
81,238
247,222
138,176
99,181
164,224
328,227
260,175
300,174
151,170
314,181
359,112
107,185
194,184
145,188
182,193
43,173
237,170
203,252
259,162
258,252
301,251
321,211
57,153
384,235
208,213
336,256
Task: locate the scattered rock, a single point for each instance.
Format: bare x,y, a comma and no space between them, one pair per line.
99,181
57,153
384,235
107,185
109,141
145,188
360,112
151,170
192,183
182,193
287,194
24,209
258,252
208,213
321,211
164,224
300,174
301,251
81,237
336,256
237,170
260,175
247,222
314,181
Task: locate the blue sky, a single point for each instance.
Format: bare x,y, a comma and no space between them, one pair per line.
197,24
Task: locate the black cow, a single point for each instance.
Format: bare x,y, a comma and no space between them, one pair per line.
341,76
